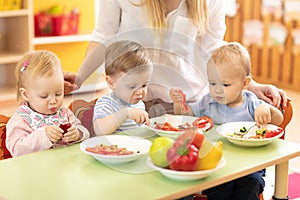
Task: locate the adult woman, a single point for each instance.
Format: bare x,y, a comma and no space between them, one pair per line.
181,35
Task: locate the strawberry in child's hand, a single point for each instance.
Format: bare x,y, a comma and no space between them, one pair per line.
65,126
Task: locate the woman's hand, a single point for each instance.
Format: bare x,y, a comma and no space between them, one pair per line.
69,84
269,93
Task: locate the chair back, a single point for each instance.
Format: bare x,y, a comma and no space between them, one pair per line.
4,153
84,111
287,116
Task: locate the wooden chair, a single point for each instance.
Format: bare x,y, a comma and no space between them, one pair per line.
287,116
4,153
84,111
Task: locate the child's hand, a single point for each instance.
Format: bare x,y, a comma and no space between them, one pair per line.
54,133
138,115
176,94
262,115
71,135
180,105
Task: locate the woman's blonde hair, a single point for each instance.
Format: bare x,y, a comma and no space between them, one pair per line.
40,63
124,55
197,12
232,53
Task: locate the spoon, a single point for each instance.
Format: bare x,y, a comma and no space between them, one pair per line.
249,133
252,133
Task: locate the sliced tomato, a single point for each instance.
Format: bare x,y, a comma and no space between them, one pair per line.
125,152
106,149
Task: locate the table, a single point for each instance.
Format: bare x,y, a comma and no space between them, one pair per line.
68,174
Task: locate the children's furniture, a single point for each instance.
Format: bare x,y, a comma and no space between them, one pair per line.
84,111
4,153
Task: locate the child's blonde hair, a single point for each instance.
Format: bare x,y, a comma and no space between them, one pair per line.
232,53
197,12
40,63
124,55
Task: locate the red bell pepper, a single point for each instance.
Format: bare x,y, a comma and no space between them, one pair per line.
185,107
193,137
183,156
166,127
202,122
273,133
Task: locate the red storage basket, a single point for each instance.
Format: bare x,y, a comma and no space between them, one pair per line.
56,25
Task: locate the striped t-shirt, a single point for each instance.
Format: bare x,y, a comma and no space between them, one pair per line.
109,104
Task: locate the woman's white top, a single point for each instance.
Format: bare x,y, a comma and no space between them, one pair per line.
180,56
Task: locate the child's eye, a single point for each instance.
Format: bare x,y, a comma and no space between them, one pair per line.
145,85
226,85
131,87
213,84
44,97
58,94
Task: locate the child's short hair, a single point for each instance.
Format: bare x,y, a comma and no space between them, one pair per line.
233,53
40,63
124,55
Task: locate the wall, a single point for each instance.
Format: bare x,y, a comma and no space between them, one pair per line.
271,63
71,54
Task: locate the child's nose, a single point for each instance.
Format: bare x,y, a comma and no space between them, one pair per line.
52,100
219,89
140,91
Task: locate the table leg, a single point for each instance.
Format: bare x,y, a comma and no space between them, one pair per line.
281,181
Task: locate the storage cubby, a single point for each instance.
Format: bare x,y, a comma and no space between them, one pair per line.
15,40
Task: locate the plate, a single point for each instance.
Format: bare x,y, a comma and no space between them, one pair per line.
232,127
175,121
131,143
184,175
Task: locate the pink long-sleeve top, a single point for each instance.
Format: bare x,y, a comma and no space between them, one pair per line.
25,131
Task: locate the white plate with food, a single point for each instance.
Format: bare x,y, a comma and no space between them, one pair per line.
115,149
186,175
245,133
174,125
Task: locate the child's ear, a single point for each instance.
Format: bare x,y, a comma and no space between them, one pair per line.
110,82
247,81
24,94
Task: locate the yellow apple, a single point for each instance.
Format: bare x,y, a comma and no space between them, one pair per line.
158,151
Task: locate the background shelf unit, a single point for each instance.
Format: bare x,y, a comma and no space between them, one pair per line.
17,38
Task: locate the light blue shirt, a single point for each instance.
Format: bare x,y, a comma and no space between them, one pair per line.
221,113
109,104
